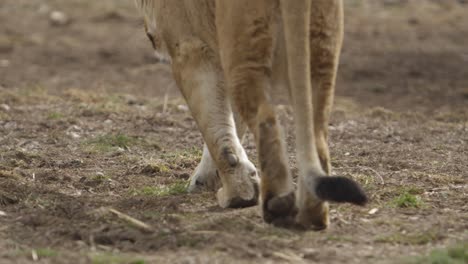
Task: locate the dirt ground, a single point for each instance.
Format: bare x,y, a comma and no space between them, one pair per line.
85,128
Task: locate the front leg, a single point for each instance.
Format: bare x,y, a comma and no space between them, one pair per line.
205,175
200,81
245,34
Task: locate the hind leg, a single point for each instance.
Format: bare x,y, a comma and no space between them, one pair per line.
200,81
325,44
246,45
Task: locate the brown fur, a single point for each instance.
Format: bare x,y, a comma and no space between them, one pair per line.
227,52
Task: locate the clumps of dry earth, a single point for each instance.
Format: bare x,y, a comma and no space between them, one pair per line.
64,166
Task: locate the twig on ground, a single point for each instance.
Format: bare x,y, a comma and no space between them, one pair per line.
290,257
34,255
132,221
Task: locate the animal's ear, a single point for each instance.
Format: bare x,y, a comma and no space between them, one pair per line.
340,189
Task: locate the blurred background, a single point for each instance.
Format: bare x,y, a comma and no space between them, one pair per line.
398,54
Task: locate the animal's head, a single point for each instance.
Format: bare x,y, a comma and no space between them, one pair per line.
147,9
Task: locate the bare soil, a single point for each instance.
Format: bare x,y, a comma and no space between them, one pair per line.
84,127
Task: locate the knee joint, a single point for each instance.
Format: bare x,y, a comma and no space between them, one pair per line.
191,51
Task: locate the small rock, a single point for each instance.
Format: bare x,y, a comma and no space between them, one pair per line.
182,108
58,18
108,122
141,107
74,135
2,213
351,123
74,128
5,107
373,211
119,149
4,63
29,146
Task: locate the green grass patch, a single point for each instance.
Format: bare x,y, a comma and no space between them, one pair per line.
153,167
41,253
115,259
186,158
101,177
107,143
112,104
9,174
364,179
409,239
176,188
46,253
407,200
454,255
55,116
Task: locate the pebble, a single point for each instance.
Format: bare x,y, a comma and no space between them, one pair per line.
4,63
74,135
182,108
58,18
5,107
74,128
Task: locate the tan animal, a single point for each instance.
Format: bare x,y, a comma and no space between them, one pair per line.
227,54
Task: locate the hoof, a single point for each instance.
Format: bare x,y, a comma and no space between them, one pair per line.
205,178
240,187
313,216
280,210
242,199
